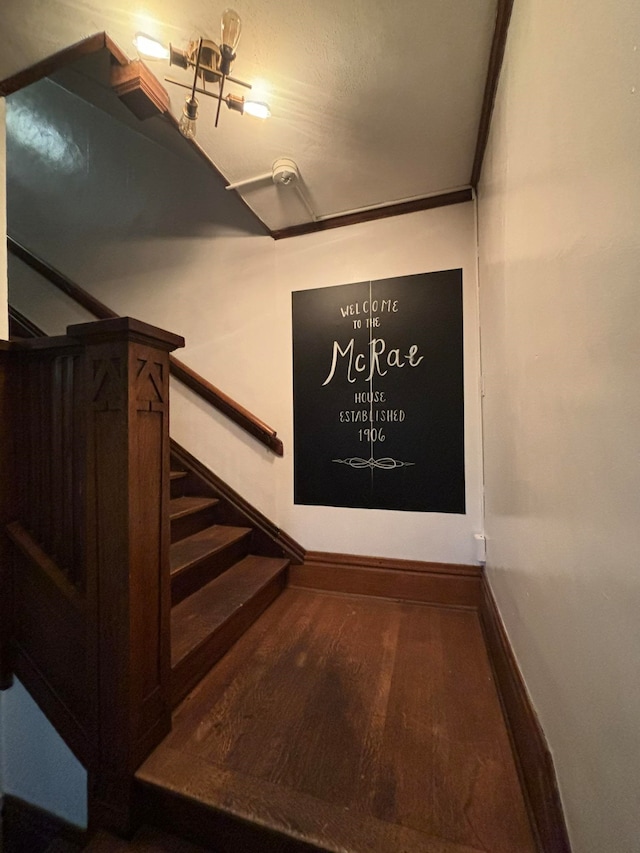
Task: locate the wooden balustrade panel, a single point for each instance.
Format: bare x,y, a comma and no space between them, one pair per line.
30,456
42,611
49,641
49,457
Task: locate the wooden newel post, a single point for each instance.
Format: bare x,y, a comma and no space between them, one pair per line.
126,393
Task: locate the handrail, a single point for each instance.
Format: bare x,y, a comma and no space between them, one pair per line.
185,374
19,321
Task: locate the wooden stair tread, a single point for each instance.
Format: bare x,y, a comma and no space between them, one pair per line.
203,612
146,840
179,507
177,475
187,552
300,816
344,724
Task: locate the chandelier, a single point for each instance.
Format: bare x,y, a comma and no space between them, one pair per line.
211,64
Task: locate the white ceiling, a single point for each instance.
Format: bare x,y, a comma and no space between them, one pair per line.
377,103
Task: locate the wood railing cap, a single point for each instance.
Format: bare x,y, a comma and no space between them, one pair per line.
128,328
57,342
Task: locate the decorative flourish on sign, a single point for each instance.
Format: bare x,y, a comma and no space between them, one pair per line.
386,463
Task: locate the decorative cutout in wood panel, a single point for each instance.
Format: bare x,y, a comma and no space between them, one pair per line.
107,390
149,385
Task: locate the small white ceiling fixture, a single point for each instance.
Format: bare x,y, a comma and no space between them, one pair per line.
284,173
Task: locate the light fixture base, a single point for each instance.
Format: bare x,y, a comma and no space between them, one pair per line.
285,172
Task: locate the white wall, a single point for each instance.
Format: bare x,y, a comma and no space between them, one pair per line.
155,236
560,301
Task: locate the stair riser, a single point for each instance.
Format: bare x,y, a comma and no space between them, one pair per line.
178,487
195,665
193,523
191,579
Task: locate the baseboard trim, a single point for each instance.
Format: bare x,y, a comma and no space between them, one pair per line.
535,765
329,557
445,584
24,823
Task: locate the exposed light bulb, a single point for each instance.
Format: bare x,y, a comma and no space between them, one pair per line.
149,47
257,108
187,127
187,124
231,28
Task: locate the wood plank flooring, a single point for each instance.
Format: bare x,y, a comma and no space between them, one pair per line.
355,724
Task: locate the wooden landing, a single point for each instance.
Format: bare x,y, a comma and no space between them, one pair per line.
345,724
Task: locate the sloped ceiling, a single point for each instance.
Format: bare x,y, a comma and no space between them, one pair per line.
376,103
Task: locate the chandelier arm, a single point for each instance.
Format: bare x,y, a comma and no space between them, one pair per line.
220,99
239,82
197,89
195,75
189,86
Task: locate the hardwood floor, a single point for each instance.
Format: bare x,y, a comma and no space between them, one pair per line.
354,724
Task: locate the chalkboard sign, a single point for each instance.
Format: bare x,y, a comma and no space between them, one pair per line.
378,394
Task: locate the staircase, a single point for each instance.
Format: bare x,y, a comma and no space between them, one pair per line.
223,576
143,594
349,717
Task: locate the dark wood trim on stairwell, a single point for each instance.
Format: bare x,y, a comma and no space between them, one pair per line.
49,573
339,221
503,17
139,90
445,584
21,327
535,765
237,413
72,290
48,66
